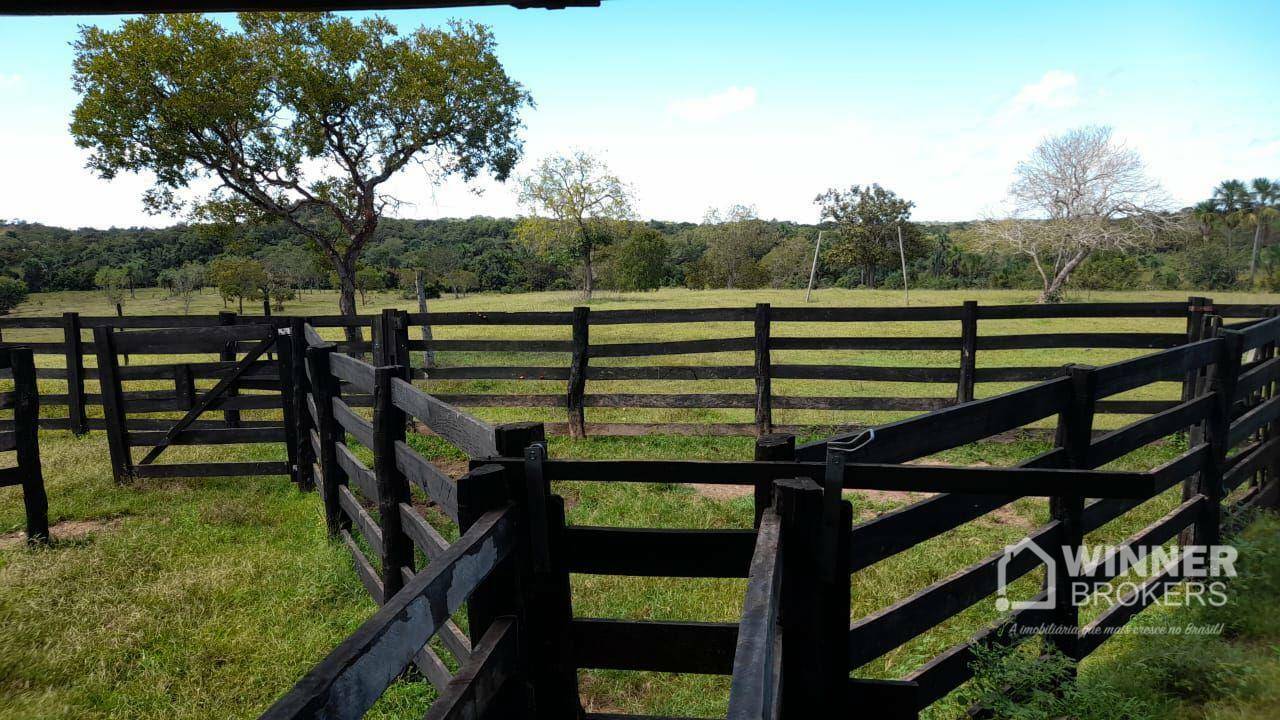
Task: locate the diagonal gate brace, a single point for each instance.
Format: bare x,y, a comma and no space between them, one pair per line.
217,391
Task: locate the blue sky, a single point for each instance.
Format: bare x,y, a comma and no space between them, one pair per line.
700,103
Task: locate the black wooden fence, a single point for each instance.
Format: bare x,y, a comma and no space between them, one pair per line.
793,650
23,440
129,416
764,331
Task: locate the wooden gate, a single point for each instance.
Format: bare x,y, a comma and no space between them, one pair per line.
242,364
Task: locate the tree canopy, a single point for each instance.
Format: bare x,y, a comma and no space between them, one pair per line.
297,116
1078,193
867,221
576,205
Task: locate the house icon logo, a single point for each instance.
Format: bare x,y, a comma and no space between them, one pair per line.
1003,603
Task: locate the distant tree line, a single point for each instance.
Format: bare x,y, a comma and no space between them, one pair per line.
732,248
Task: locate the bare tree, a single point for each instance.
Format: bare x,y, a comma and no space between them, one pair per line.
1079,192
577,204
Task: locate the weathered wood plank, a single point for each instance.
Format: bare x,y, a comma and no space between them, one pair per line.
754,690
661,646
470,434
182,340
1118,443
1079,340
360,518
347,683
482,678
434,482
359,428
215,469
658,552
890,627
356,471
351,370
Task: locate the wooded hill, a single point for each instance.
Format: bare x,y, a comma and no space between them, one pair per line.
644,255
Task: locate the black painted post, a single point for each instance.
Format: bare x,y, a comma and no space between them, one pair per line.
968,351
577,385
814,603
391,338
548,595
1265,394
113,411
325,388
1201,383
26,429
77,419
184,386
304,452
230,417
393,486
288,402
120,314
1197,308
764,379
1075,427
1222,383
777,447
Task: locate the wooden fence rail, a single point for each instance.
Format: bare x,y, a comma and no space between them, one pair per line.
764,332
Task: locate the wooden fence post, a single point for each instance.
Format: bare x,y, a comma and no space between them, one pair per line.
764,381
814,602
324,388
1075,428
771,447
486,488
577,385
968,350
288,402
393,486
548,594
391,338
1197,308
230,417
1222,382
184,386
113,410
303,452
1200,381
26,429
1272,430
77,419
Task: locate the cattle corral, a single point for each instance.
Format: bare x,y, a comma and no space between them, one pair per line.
523,645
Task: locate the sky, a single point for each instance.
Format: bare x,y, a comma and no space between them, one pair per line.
702,103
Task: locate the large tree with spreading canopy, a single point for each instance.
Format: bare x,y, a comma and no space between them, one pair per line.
296,116
1078,193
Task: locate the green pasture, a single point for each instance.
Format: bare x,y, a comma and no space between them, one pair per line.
209,597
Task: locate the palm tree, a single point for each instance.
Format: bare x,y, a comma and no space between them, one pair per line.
1206,215
1231,198
1264,196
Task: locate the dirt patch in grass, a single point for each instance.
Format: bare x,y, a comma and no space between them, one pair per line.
68,530
722,492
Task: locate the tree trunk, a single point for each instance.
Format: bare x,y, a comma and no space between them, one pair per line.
241,299
347,300
429,358
586,272
1257,251
1054,287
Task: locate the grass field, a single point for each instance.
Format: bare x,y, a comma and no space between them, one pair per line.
208,598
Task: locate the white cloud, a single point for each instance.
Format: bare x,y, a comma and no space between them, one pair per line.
714,106
1055,90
